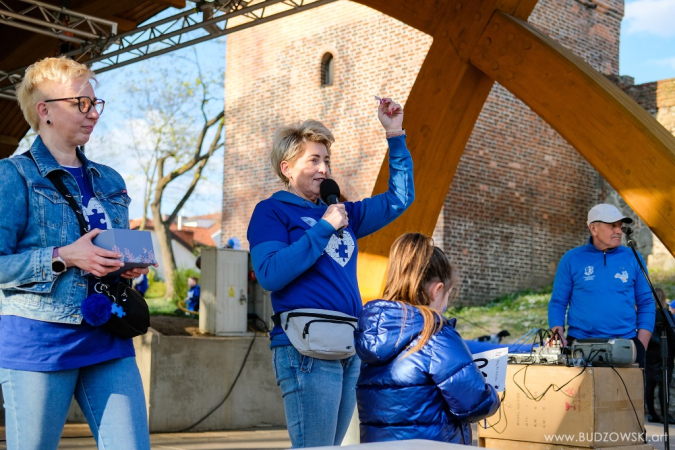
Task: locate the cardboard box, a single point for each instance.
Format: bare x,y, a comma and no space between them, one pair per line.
570,406
501,444
134,245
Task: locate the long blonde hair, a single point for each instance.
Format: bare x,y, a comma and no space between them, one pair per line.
414,262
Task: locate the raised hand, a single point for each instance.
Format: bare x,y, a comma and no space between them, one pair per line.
390,114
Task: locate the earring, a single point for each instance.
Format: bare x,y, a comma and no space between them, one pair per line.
49,122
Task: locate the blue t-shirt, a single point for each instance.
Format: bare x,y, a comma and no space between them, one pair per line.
33,345
142,284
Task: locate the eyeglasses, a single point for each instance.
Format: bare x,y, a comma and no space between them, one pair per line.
84,103
617,224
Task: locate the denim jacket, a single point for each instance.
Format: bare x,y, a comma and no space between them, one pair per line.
36,218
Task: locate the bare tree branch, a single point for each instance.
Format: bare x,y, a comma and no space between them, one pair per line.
215,145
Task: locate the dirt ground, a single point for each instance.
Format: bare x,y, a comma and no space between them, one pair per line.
176,326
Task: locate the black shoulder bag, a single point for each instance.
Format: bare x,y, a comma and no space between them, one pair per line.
130,315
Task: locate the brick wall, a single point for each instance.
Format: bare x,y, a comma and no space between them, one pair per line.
273,78
658,98
521,193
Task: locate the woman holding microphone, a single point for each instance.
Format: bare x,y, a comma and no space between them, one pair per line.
304,251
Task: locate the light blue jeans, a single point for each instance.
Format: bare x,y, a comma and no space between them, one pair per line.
110,395
319,396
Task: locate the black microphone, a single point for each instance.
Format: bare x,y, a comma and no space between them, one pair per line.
627,230
330,193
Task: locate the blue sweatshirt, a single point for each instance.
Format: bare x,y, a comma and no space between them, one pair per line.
193,296
298,256
606,293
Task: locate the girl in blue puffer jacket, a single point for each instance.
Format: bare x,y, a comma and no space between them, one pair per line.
418,379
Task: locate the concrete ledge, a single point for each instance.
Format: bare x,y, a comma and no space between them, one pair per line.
189,376
186,377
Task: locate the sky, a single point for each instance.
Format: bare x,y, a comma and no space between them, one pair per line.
647,46
647,53
113,144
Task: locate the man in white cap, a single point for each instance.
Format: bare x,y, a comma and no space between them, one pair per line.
600,288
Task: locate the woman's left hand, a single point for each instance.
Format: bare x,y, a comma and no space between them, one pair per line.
390,114
137,272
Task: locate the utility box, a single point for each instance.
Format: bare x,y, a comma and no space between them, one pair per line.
224,292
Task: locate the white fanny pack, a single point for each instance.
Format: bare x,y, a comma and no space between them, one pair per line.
319,333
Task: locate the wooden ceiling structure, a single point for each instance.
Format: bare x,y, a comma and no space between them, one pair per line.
477,43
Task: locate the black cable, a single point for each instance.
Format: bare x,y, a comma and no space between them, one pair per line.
644,430
255,319
492,425
234,383
530,396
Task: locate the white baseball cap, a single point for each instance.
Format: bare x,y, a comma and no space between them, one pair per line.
606,213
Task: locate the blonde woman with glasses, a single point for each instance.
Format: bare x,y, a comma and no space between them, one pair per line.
48,353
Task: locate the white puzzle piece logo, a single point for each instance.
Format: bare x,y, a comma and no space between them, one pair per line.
95,215
341,250
309,221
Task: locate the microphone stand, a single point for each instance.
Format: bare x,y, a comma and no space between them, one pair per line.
667,321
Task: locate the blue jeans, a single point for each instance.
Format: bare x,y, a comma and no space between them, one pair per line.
319,396
110,395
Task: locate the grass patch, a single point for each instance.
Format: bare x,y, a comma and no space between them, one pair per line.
518,313
160,307
665,279
157,289
158,304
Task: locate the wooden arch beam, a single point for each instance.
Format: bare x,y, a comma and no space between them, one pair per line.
621,140
441,111
476,43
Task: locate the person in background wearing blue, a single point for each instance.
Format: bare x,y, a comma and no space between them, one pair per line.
47,352
233,243
298,254
141,284
193,295
600,287
418,379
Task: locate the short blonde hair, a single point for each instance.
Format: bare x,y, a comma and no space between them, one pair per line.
289,140
58,70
